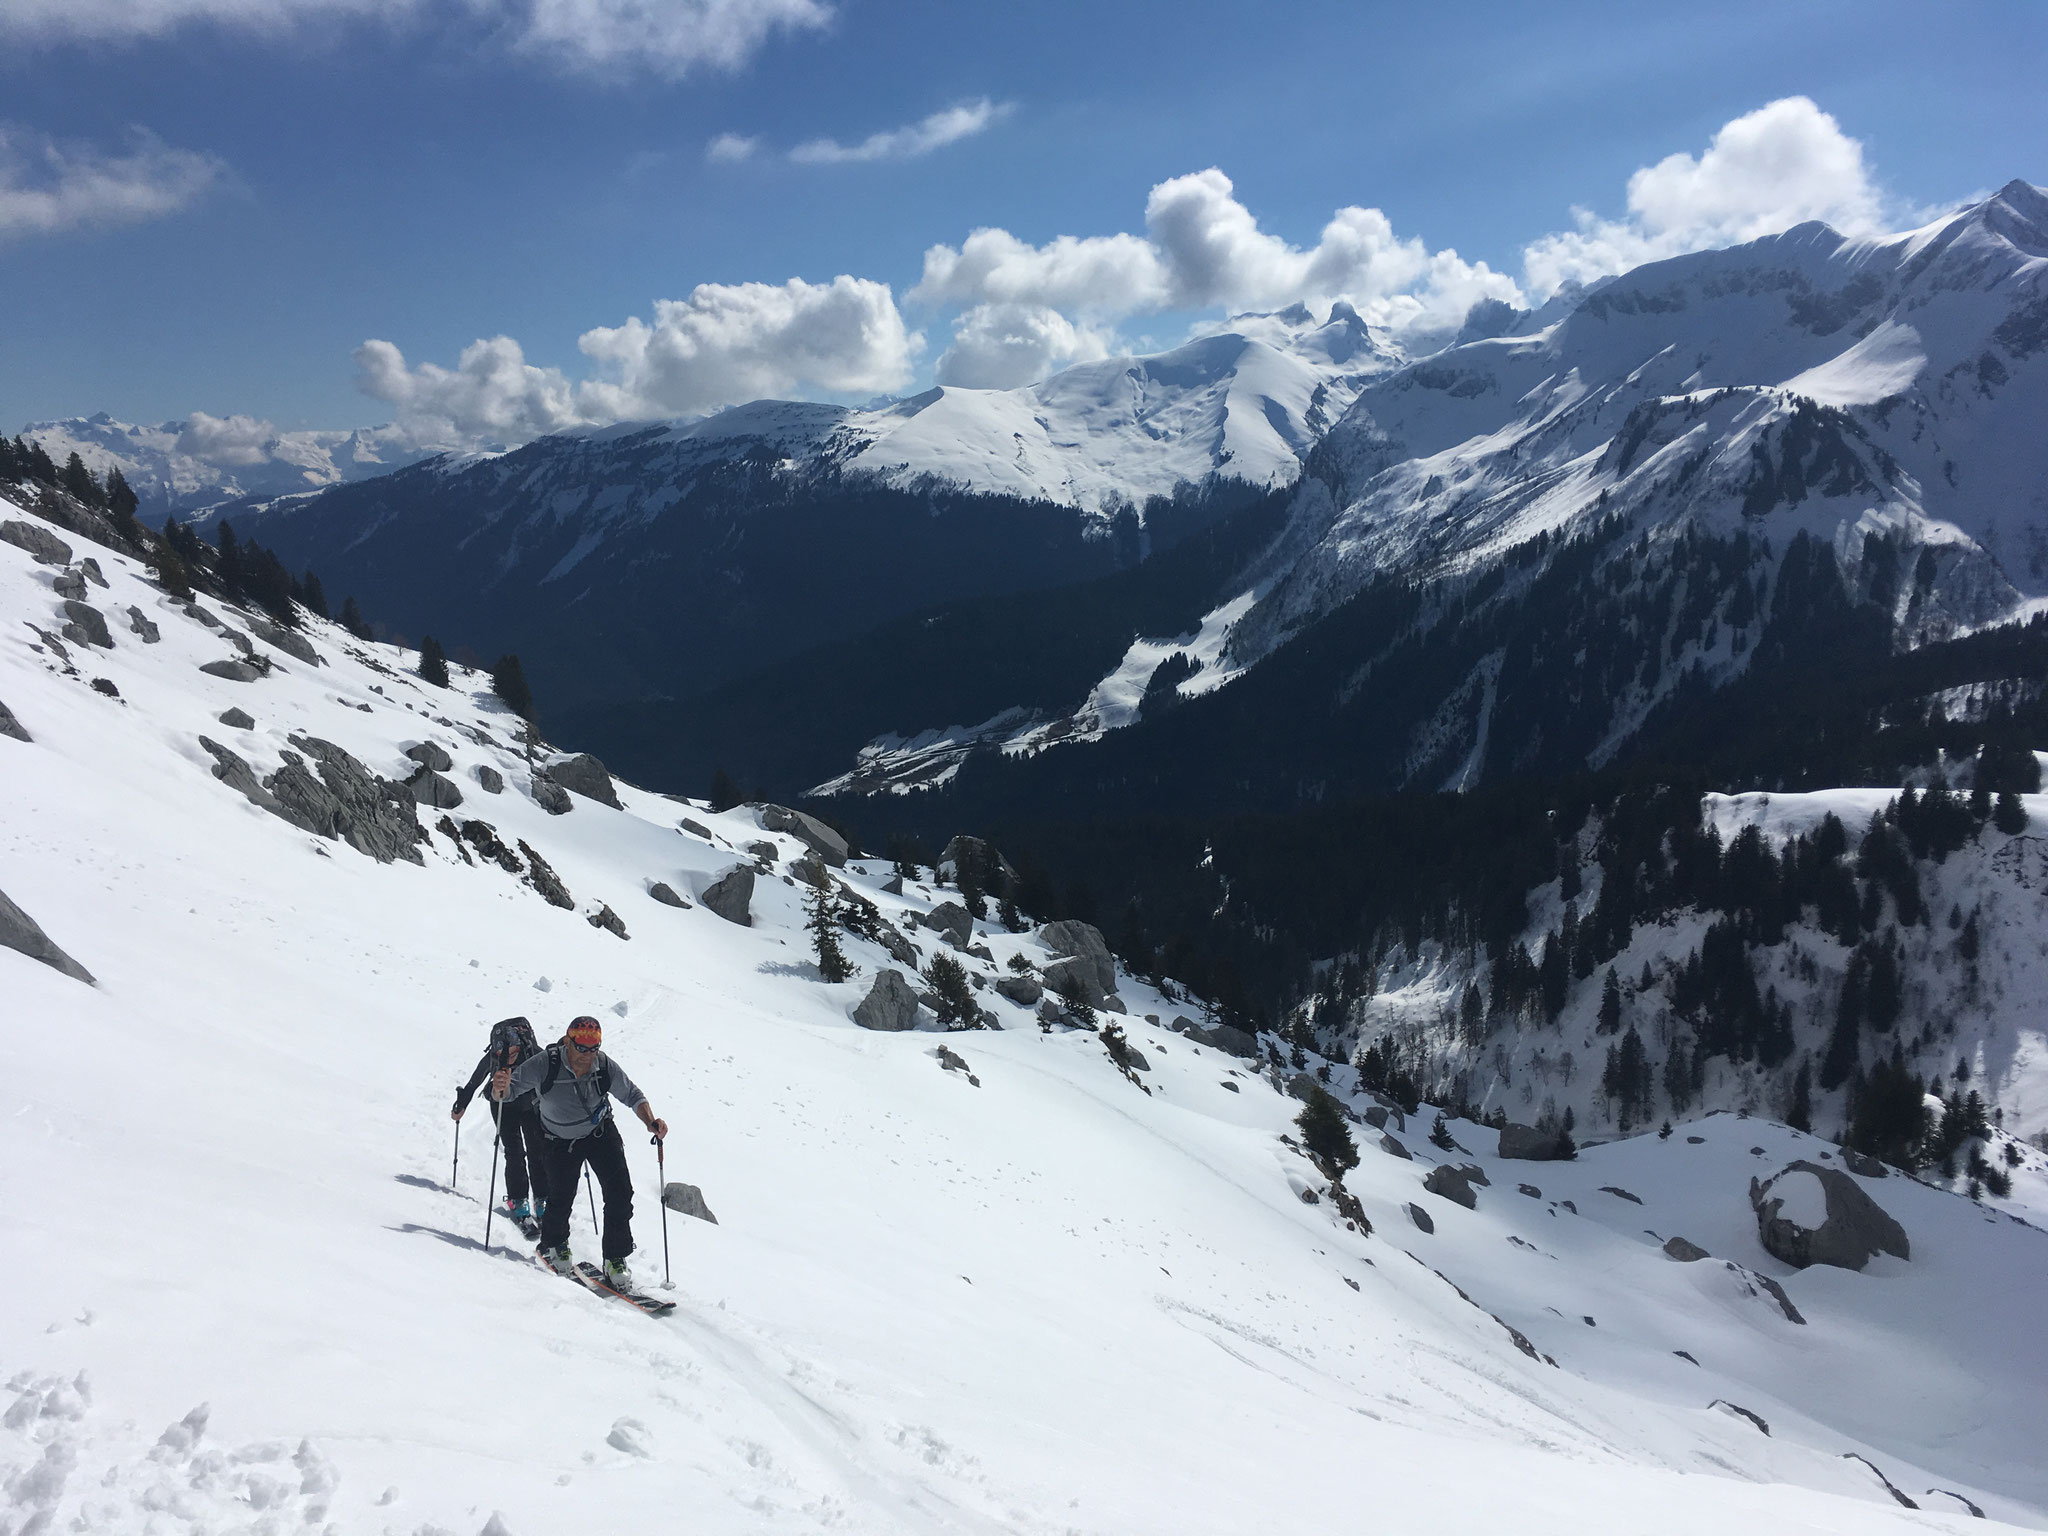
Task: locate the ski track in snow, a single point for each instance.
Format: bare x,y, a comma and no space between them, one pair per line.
1050,1304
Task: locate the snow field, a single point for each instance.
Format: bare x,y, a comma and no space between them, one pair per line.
1053,1303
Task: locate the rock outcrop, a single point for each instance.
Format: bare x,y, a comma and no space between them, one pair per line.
1531,1145
664,893
233,671
43,545
278,638
373,815
1020,989
1683,1251
1089,963
731,896
604,917
951,922
1455,1183
550,796
430,788
811,832
587,777
19,932
891,1004
430,754
1835,1223
1218,1037
236,719
143,625
10,726
489,780
90,623
540,874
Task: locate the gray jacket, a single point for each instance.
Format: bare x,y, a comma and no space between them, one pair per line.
573,1108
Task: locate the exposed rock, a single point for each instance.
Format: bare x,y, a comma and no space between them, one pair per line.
1737,1408
604,917
1230,1087
731,896
695,828
69,584
429,788
1862,1163
542,877
687,1200
1530,1145
1135,1059
586,776
277,637
484,838
1090,954
764,851
430,754
233,671
1376,1116
204,616
901,950
550,796
1111,1003
1890,1487
242,643
447,828
143,625
90,568
1221,1037
106,686
19,932
373,815
811,870
951,1061
1453,1184
811,832
232,771
1020,989
889,1005
489,780
44,545
91,622
662,892
10,726
1530,1190
893,886
1620,1193
1684,1252
1855,1229
951,921
1302,1086
1394,1148
977,851
1421,1218
1695,1141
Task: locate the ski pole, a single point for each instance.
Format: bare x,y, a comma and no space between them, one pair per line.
593,1203
661,1162
491,1206
456,1167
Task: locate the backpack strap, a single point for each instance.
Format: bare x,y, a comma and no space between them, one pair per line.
554,1069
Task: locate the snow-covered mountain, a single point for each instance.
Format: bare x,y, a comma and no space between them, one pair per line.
190,466
1025,1279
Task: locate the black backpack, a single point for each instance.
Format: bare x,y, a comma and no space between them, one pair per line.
507,1033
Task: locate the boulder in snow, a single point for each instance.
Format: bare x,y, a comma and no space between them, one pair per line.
373,815
549,795
233,671
1683,1251
69,583
1530,1145
489,780
811,832
236,719
1090,956
1394,1148
1421,1218
587,777
662,892
1302,1086
44,545
695,828
889,1005
1020,989
232,771
980,853
278,638
731,896
430,754
143,625
951,922
9,726
92,624
430,788
1862,1163
1227,1038
604,917
1454,1183
1807,1214
19,931
688,1200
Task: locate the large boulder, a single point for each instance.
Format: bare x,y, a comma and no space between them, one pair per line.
664,893
430,788
1302,1086
489,780
1455,1184
44,545
731,896
143,625
373,815
587,777
277,637
92,624
811,832
979,854
951,921
18,931
430,754
891,1004
9,726
687,1200
1807,1214
1530,1145
1218,1037
1090,957
237,719
549,795
1020,989
232,771
233,671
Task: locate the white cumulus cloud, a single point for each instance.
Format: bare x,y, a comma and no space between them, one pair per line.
731,342
1203,248
731,148
1763,172
1001,346
948,126
230,441
492,395
47,187
667,37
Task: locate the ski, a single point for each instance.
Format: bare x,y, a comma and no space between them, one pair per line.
593,1277
530,1226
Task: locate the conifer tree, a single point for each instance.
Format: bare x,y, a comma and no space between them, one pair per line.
1610,1003
508,682
352,619
953,997
433,662
314,596
725,790
2009,816
1326,1136
1440,1135
78,481
824,925
121,498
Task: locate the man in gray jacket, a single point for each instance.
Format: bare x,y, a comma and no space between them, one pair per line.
574,1080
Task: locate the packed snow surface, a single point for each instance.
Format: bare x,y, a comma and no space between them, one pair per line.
243,1296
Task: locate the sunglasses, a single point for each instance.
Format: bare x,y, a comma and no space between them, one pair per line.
578,1045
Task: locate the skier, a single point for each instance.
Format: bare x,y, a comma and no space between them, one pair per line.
519,1128
572,1079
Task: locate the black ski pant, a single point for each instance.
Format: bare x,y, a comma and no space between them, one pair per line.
605,1153
520,1133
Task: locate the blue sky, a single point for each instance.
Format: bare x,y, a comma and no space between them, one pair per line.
211,205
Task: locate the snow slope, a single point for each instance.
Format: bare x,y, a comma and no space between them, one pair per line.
244,1298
